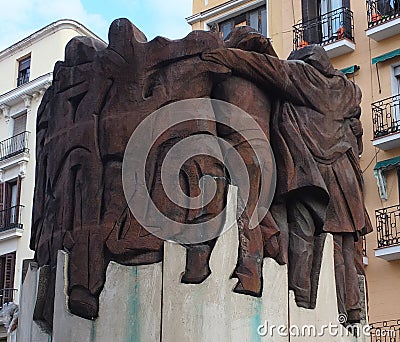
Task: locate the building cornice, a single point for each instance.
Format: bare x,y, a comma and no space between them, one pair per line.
25,92
215,11
45,32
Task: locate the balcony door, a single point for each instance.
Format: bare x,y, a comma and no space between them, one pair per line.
323,20
9,203
331,18
14,199
17,144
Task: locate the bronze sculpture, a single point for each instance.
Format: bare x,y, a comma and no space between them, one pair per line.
100,94
319,177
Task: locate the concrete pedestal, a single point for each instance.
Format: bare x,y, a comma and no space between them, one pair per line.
150,304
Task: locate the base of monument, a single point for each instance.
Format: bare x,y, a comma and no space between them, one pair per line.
131,309
150,303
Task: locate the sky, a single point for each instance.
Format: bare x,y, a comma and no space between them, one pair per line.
20,18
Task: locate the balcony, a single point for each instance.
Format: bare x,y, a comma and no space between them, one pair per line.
10,218
385,331
383,19
7,296
388,233
14,150
333,30
386,122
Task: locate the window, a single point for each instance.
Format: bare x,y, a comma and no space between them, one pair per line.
19,125
257,19
7,271
24,70
9,204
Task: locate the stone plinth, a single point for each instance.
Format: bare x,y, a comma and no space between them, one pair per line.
149,303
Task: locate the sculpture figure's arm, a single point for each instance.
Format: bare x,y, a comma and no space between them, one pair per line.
266,71
296,81
356,128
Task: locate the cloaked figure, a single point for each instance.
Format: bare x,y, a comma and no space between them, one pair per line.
316,146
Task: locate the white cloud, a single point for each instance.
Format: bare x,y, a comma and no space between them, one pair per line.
22,17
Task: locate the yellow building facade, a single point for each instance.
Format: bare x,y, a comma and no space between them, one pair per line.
362,39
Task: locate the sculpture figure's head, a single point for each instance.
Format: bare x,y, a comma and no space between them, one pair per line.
124,37
246,38
316,56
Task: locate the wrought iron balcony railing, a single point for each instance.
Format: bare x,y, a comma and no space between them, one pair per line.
388,226
14,145
325,29
7,296
386,116
387,331
11,218
381,11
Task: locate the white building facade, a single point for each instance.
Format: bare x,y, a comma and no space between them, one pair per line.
25,74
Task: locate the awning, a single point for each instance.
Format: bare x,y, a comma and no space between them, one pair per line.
379,169
386,56
388,164
350,70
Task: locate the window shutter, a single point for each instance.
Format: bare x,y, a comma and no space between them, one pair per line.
309,9
9,271
19,125
18,208
19,184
